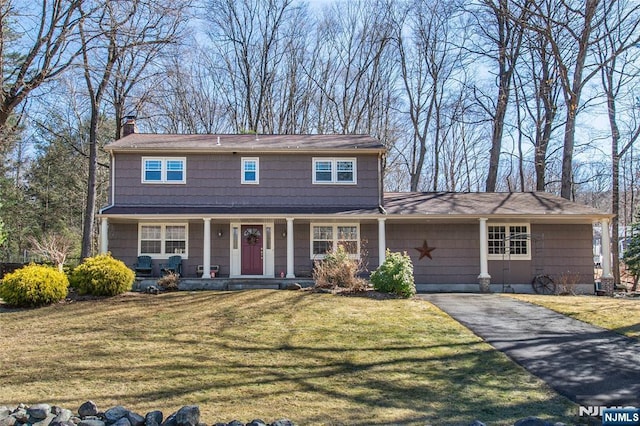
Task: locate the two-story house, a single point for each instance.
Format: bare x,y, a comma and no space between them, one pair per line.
267,206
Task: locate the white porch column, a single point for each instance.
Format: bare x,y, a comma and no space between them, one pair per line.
606,250
290,257
206,248
104,235
484,250
382,240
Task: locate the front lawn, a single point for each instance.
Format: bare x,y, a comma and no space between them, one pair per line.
313,358
619,315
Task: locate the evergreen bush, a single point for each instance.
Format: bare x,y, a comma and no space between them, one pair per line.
395,275
34,285
102,275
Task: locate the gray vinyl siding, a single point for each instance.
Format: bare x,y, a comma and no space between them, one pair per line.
123,243
561,251
456,257
285,180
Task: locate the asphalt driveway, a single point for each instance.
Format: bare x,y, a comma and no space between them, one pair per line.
587,364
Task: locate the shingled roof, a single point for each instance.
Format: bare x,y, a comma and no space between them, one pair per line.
243,143
477,204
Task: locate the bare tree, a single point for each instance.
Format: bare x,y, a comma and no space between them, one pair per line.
107,36
189,97
501,41
44,46
538,92
252,38
352,65
620,76
53,247
573,28
429,59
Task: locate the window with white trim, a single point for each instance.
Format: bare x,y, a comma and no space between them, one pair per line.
328,237
164,169
163,240
334,170
511,240
250,170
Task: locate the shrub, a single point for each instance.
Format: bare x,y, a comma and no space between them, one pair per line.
566,283
395,275
338,270
34,285
169,282
102,275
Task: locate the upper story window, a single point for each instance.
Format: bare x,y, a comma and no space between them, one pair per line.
334,170
250,170
163,170
511,241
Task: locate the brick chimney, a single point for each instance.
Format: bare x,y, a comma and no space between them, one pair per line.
129,125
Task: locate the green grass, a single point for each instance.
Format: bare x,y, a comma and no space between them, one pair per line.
619,315
313,358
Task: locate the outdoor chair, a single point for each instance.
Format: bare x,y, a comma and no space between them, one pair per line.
143,266
173,265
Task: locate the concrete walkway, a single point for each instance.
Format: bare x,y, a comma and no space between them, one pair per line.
587,364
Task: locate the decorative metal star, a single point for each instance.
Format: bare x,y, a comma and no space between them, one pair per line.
425,250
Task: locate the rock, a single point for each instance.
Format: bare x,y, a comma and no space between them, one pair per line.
256,422
477,423
39,411
532,421
136,419
189,415
114,414
235,423
89,408
122,421
91,422
62,415
65,423
42,422
171,420
4,412
21,415
153,418
8,421
283,422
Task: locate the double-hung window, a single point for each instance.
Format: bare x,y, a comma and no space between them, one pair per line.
509,241
163,170
250,170
334,170
162,240
328,237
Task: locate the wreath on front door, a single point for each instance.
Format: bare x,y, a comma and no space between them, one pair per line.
251,236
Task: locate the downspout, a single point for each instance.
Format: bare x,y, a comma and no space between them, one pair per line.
380,183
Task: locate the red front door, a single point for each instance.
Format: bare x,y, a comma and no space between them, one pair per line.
251,250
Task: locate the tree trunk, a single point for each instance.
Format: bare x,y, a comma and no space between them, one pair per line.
90,208
567,152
